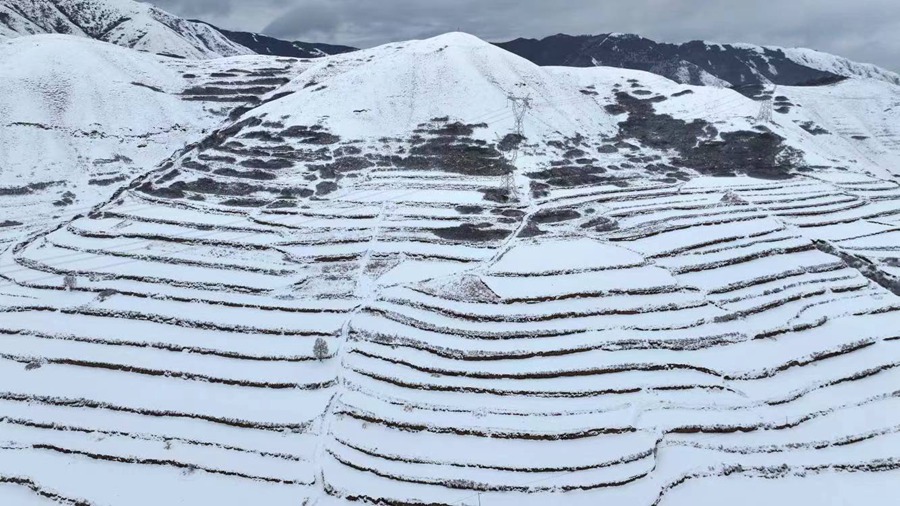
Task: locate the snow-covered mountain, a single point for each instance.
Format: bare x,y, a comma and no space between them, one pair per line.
838,65
369,283
123,22
263,44
697,62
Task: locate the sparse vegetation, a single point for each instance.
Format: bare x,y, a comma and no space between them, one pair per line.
320,349
70,282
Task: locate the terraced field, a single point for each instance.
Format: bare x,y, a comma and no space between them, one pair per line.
633,337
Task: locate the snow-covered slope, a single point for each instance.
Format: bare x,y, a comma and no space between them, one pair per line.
81,118
850,124
626,328
838,65
127,23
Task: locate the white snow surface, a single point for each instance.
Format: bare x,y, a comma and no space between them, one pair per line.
57,90
79,118
75,111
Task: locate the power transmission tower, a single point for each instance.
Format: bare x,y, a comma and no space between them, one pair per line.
765,111
766,107
520,107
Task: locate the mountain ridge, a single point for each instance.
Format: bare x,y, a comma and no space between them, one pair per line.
142,26
737,64
125,23
266,45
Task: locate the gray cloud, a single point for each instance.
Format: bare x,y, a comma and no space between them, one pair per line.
863,30
245,15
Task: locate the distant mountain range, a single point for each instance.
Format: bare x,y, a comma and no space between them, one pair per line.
697,62
263,44
147,28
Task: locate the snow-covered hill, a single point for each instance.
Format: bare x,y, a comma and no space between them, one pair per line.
697,62
81,118
126,23
678,303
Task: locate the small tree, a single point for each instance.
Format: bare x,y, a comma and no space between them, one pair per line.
69,282
105,294
320,349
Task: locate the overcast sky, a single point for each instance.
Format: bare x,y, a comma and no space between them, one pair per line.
862,30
